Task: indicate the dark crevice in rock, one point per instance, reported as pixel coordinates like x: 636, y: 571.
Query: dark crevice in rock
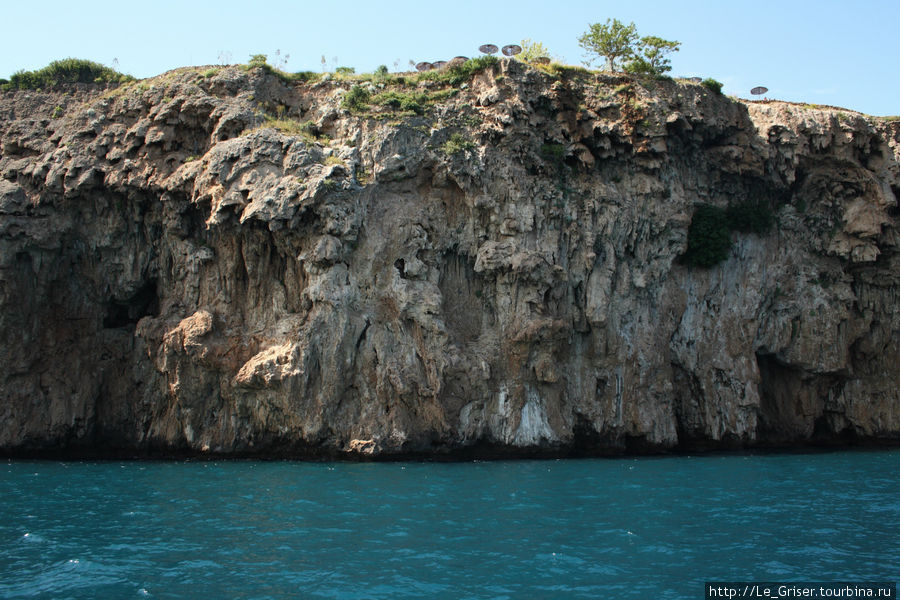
x: 793, y: 402
x: 400, y: 265
x: 688, y: 420
x: 126, y: 313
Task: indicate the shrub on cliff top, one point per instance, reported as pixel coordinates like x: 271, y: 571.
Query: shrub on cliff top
x: 532, y: 50
x: 712, y: 85
x: 258, y: 60
x: 66, y: 71
x: 261, y: 61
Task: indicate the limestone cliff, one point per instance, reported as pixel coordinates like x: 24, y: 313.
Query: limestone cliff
x: 224, y: 261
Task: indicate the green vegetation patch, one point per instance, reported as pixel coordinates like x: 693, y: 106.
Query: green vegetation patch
x: 709, y: 239
x: 709, y: 235
x: 458, y: 73
x: 356, y: 100
x: 456, y: 144
x: 413, y: 102
x: 260, y: 61
x: 564, y: 71
x: 66, y: 71
x: 300, y: 76
x: 303, y: 129
x: 712, y: 85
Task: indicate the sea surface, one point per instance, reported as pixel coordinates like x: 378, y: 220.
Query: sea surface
x: 644, y: 528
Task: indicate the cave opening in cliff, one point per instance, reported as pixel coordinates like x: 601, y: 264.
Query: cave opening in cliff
x: 143, y: 303
x: 780, y: 387
x: 793, y: 403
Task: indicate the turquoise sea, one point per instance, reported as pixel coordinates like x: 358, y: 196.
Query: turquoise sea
x: 589, y: 528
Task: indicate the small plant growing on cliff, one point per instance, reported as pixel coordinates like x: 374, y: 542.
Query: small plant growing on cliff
x: 532, y: 50
x: 456, y: 144
x: 709, y: 240
x: 356, y: 100
x: 306, y: 130
x: 712, y: 85
x: 404, y: 102
x: 304, y: 76
x: 258, y: 60
x: 381, y: 74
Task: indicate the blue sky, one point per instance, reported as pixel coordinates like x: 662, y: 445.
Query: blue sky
x: 824, y: 51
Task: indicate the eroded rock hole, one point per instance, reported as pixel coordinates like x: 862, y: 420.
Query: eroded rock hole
x: 143, y: 303
x: 792, y: 401
x: 400, y: 265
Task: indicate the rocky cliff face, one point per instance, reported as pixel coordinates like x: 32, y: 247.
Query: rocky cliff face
x: 225, y: 262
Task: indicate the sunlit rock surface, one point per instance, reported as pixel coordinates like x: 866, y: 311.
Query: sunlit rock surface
x: 177, y: 275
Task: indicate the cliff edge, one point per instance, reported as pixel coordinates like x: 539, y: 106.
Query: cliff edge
x: 226, y: 261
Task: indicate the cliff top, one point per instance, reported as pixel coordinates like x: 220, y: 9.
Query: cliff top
x: 474, y: 97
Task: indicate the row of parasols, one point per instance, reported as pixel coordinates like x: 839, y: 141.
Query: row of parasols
x: 508, y: 50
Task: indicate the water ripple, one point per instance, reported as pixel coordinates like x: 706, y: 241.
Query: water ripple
x: 627, y: 528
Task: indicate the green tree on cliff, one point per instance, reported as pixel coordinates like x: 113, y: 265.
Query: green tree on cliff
x: 612, y: 40
x: 651, y: 56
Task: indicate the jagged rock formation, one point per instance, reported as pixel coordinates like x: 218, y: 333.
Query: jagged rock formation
x: 225, y: 262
